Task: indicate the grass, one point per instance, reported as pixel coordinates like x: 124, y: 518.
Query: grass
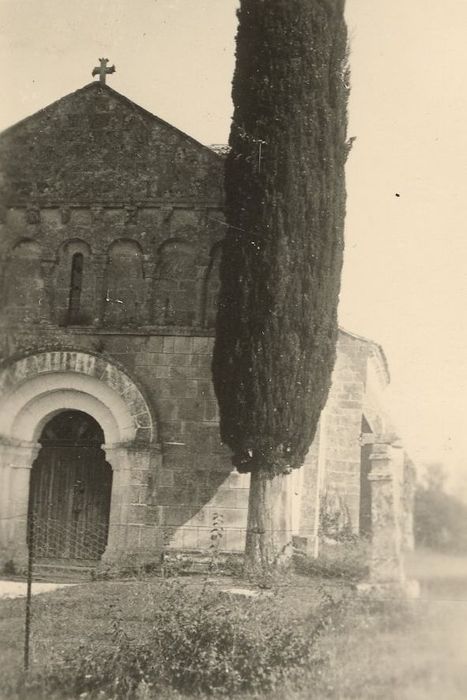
x: 438, y: 572
x: 392, y: 654
x: 389, y: 650
x: 73, y: 621
x: 396, y: 650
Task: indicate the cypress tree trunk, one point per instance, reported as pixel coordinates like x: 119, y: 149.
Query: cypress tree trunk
x: 269, y: 520
x: 280, y: 271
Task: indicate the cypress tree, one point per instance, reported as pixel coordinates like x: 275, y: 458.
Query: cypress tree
x: 280, y: 272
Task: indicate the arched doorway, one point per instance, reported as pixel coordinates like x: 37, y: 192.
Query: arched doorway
x: 36, y: 388
x: 70, y: 489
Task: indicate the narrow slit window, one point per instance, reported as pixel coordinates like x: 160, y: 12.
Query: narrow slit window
x: 76, y: 285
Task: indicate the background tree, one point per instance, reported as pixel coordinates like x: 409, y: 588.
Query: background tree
x: 440, y: 519
x: 280, y: 271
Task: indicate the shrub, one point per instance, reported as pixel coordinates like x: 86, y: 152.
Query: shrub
x: 9, y: 568
x: 197, y: 643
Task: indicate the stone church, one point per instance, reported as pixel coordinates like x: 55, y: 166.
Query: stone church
x: 111, y: 226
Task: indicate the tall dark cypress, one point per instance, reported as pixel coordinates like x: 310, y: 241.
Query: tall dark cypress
x: 285, y: 206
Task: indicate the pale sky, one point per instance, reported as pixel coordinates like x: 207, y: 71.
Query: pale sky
x: 405, y: 273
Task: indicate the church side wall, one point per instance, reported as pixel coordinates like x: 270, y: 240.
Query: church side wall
x: 343, y: 426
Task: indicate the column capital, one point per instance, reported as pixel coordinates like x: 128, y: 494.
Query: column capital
x: 18, y: 453
x: 381, y: 462
x: 117, y: 456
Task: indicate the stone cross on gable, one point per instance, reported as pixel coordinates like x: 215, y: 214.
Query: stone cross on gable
x: 102, y: 70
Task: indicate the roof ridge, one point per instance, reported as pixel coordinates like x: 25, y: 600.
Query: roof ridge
x: 97, y: 85
x: 376, y: 346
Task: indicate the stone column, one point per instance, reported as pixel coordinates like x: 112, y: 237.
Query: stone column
x: 149, y: 270
x: 15, y: 468
x: 385, y: 557
x: 48, y: 307
x: 119, y: 460
x: 386, y: 569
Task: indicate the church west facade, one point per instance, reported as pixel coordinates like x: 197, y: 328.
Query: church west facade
x: 111, y: 226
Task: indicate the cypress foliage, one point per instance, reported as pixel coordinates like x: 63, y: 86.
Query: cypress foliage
x: 285, y: 206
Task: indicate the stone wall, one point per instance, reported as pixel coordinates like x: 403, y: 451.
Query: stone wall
x: 334, y: 462
x: 155, y: 273
x: 96, y: 147
x: 108, y: 217
x: 343, y: 422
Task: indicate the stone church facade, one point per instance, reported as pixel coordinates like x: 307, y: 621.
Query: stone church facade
x: 111, y: 225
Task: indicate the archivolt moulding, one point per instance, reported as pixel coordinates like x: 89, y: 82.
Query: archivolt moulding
x: 37, y: 386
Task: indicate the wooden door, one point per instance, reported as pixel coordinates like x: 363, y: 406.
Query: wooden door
x: 71, y: 487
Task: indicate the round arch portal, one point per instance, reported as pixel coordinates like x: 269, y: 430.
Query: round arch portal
x: 37, y: 388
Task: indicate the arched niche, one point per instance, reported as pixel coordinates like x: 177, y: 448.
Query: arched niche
x: 175, y: 284
x: 75, y: 284
x: 211, y: 287
x: 125, y: 290
x: 24, y: 289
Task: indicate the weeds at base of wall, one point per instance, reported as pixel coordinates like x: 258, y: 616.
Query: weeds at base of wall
x: 9, y: 568
x: 196, y: 643
x: 347, y: 561
x: 125, y: 569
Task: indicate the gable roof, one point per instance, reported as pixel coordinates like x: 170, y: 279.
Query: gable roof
x: 95, y: 144
x: 96, y: 85
x: 376, y: 351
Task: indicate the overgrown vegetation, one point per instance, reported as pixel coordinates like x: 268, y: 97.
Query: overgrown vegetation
x: 335, y: 523
x: 208, y: 644
x: 347, y: 562
x: 342, y: 553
